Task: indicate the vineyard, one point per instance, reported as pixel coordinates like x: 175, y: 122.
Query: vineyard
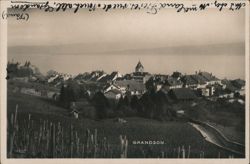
x: 31, y: 136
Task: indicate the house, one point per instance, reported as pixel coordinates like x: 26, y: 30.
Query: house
x: 158, y: 81
x: 113, y: 94
x: 180, y: 113
x: 132, y: 86
x: 160, y: 77
x: 21, y: 79
x: 204, y: 92
x: 173, y: 83
x: 111, y: 86
x: 207, y: 91
x: 109, y: 78
x: 30, y: 91
x: 189, y: 82
x: 201, y: 81
x: 182, y: 94
x: 210, y: 78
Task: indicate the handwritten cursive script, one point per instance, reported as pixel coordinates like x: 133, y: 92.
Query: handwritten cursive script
x: 149, y: 7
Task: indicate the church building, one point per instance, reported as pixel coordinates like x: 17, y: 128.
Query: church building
x: 140, y: 74
x: 139, y: 67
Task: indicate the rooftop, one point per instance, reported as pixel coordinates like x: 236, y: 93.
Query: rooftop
x: 139, y: 65
x: 132, y: 84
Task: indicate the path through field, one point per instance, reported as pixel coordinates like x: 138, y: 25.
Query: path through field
x: 213, y: 136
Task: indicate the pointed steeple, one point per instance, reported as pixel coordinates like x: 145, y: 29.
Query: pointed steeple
x: 139, y: 67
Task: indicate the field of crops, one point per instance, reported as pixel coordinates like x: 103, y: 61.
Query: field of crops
x: 31, y: 136
x: 38, y: 129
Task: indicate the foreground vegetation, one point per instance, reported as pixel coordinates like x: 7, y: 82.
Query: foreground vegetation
x: 35, y: 136
x: 41, y: 122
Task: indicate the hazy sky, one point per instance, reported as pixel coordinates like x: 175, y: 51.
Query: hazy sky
x: 114, y: 41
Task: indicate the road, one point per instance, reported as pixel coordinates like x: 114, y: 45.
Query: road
x: 213, y: 136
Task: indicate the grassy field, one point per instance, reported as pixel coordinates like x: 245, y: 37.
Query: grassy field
x: 175, y: 134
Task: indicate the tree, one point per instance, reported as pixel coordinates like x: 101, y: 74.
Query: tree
x: 73, y: 90
x: 12, y: 69
x: 148, y: 105
x: 126, y: 101
x: 62, y: 94
x: 134, y: 102
x: 83, y: 92
x: 150, y: 84
x: 161, y: 103
x: 69, y: 93
x: 101, y: 104
x: 176, y: 75
x: 152, y: 105
x: 120, y: 103
x: 24, y: 71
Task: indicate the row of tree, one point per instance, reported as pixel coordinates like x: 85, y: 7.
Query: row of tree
x: 151, y: 105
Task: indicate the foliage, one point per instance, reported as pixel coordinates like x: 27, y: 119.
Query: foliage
x: 15, y: 70
x: 150, y: 84
x: 176, y: 74
x: 101, y: 104
x: 72, y: 91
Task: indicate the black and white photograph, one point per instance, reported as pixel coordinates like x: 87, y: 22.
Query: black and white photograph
x: 125, y: 81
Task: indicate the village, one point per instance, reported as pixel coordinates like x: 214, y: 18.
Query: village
x: 123, y: 91
x: 114, y: 86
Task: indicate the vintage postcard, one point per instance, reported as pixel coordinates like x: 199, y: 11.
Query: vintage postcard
x: 124, y: 81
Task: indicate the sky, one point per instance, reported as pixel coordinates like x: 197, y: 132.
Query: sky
x: 210, y: 41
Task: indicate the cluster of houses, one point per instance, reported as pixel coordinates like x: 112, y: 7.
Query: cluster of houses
x: 37, y: 92
x: 115, y: 86
x: 133, y: 84
x: 182, y: 87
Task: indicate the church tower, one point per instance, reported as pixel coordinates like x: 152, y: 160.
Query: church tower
x: 139, y: 67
